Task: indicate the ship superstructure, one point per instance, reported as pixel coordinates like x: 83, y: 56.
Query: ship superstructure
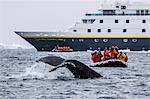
x: 121, y: 24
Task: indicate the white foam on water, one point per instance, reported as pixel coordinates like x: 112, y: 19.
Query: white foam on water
x: 125, y: 50
x: 38, y: 70
x: 41, y: 71
x: 143, y: 52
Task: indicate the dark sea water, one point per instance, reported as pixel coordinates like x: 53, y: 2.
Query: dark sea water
x: 22, y: 78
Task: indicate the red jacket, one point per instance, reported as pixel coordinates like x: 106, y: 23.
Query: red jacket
x: 96, y: 57
x: 126, y: 60
x: 106, y: 55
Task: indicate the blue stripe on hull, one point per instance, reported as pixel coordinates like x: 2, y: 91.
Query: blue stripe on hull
x: 90, y: 43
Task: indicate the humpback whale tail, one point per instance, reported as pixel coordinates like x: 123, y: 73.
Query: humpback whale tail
x: 78, y: 69
x: 51, y: 60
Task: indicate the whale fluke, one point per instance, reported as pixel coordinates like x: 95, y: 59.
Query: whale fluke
x: 51, y: 60
x: 56, y: 68
x: 78, y: 69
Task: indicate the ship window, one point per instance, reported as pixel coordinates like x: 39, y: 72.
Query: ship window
x: 96, y: 40
x: 143, y: 21
x: 123, y: 13
x: 81, y: 40
x: 90, y: 21
x: 108, y: 12
x: 72, y: 40
x: 74, y: 30
x: 117, y: 6
x: 124, y: 30
x: 101, y: 21
x: 125, y: 40
x: 105, y: 40
x: 143, y: 30
x: 109, y: 30
x: 127, y: 21
x: 134, y: 40
x: 84, y: 21
x: 116, y: 21
x: 98, y: 30
x: 89, y: 30
x: 142, y: 12
x: 123, y: 7
x: 64, y: 40
x: 146, y: 12
x: 90, y: 48
x: 99, y: 48
x: 137, y: 12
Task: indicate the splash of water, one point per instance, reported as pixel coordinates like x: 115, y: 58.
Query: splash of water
x: 41, y: 71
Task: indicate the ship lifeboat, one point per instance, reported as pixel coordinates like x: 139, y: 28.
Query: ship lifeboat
x: 62, y: 49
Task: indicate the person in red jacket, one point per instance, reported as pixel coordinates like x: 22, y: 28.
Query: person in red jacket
x: 96, y: 57
x: 100, y: 55
x: 106, y: 55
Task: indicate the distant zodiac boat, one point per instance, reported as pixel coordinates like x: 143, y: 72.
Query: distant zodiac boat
x: 122, y: 24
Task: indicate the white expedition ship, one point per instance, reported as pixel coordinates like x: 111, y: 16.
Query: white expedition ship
x: 122, y: 24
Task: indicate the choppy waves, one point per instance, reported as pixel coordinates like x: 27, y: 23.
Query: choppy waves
x: 22, y: 78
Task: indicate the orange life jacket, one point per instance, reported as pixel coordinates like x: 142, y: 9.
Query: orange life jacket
x: 113, y: 54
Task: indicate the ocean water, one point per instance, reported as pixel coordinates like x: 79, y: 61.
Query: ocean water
x: 23, y: 78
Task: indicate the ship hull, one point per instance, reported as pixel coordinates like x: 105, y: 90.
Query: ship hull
x: 84, y: 44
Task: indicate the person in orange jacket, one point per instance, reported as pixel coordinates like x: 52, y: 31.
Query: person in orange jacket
x: 106, y: 55
x: 114, y: 52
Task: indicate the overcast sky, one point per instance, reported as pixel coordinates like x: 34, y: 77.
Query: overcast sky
x: 41, y: 15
